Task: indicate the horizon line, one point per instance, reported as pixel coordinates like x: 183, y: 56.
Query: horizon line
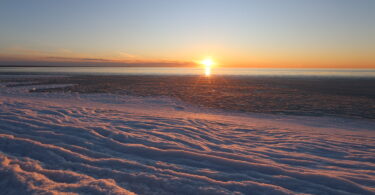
x: 138, y: 66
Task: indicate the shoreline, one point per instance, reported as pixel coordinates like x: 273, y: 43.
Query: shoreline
x: 352, y: 98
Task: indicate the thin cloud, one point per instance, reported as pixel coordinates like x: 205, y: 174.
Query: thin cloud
x: 23, y: 56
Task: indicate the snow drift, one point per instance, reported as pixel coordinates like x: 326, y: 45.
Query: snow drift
x: 104, y: 144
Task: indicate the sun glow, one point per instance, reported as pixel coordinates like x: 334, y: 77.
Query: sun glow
x: 207, y: 63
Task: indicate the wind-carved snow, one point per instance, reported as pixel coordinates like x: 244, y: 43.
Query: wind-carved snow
x: 67, y: 144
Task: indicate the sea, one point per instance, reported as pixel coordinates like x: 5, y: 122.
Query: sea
x: 276, y: 72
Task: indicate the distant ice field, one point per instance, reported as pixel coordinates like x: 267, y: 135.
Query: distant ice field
x: 309, y: 96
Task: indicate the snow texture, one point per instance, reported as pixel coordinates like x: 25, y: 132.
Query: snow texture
x: 107, y: 144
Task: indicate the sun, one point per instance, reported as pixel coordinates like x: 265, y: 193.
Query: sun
x: 207, y: 63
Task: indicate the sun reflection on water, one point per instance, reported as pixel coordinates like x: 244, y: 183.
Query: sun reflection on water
x: 207, y: 71
x: 207, y: 63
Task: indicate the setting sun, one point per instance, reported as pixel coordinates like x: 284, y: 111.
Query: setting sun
x: 207, y: 63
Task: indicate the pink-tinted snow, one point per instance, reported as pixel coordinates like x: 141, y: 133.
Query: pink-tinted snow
x: 106, y: 144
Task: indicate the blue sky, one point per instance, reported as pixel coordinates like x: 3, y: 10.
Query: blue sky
x: 235, y: 32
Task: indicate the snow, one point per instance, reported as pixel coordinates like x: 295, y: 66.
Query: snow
x: 108, y: 144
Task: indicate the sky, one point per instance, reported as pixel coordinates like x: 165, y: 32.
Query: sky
x: 234, y: 33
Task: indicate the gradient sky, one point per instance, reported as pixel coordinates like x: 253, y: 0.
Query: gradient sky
x: 235, y: 33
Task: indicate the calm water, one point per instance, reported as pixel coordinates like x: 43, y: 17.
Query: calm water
x: 193, y: 71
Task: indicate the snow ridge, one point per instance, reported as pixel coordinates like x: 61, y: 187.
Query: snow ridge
x: 66, y: 146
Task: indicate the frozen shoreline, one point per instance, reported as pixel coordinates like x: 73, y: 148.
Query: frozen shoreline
x: 104, y: 143
x: 333, y: 97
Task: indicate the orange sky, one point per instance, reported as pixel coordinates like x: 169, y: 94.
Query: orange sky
x: 225, y: 59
